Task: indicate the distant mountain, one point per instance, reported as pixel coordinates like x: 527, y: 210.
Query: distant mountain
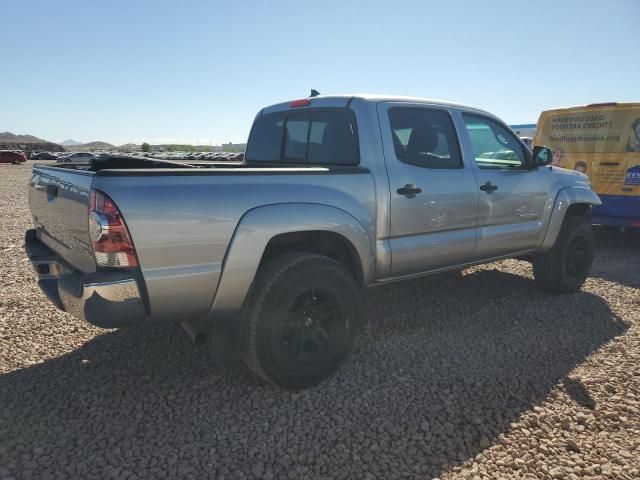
x: 70, y: 143
x: 129, y: 146
x: 8, y: 137
x: 28, y: 143
x: 98, y: 146
x: 83, y: 147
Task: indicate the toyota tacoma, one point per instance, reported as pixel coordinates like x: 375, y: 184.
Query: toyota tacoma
x: 268, y: 257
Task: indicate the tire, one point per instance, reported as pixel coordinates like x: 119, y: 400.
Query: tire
x: 565, y: 267
x: 301, y: 320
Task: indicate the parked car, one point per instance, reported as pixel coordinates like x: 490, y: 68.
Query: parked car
x: 77, y: 157
x: 11, y: 156
x: 268, y: 258
x: 44, y: 156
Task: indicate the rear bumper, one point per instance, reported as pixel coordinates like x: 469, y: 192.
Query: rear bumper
x: 105, y: 299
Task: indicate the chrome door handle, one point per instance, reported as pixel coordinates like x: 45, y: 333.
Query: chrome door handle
x: 409, y: 190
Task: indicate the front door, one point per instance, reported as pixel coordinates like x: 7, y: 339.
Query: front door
x: 434, y: 195
x: 512, y: 197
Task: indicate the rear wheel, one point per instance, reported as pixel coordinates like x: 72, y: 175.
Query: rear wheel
x: 565, y: 267
x: 301, y: 320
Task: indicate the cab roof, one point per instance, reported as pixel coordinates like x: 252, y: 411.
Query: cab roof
x: 344, y: 99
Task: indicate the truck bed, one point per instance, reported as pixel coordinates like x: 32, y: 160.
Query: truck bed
x: 181, y: 217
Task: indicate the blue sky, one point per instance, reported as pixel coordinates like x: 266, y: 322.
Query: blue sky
x: 192, y: 71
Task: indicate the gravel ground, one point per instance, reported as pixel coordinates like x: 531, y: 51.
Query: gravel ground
x: 473, y: 376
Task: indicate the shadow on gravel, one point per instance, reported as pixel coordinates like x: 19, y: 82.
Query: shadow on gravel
x: 443, y: 366
x: 579, y: 393
x: 618, y: 256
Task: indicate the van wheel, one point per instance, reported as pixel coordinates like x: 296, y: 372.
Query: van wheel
x: 301, y: 320
x: 565, y: 267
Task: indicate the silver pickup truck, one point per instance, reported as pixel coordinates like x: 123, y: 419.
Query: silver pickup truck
x: 268, y: 257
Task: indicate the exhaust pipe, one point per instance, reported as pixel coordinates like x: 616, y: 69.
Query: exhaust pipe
x: 197, y: 336
x: 222, y: 337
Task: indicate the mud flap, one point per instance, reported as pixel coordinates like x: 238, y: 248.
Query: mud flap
x: 224, y: 343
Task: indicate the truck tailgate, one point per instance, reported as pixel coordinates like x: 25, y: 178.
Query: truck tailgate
x: 59, y: 201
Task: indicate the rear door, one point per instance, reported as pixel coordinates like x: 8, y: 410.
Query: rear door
x: 59, y: 201
x: 512, y: 197
x: 434, y: 195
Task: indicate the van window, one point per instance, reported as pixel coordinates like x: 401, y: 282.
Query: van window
x: 425, y: 138
x: 315, y: 137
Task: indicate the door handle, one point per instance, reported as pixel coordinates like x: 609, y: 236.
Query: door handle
x: 488, y: 187
x: 409, y: 190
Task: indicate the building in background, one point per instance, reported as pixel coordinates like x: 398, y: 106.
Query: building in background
x: 524, y: 129
x: 233, y: 147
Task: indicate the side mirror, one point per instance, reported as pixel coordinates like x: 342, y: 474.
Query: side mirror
x: 542, y: 156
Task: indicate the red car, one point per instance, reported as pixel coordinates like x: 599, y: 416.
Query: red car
x: 9, y: 156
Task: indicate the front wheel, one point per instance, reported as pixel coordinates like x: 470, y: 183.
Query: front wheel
x: 565, y: 267
x: 301, y: 320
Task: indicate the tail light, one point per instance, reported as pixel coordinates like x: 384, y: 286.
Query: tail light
x: 110, y: 239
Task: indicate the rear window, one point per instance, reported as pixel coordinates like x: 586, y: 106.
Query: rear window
x: 321, y: 136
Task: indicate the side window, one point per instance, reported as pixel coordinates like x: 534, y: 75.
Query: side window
x: 425, y: 138
x: 493, y: 145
